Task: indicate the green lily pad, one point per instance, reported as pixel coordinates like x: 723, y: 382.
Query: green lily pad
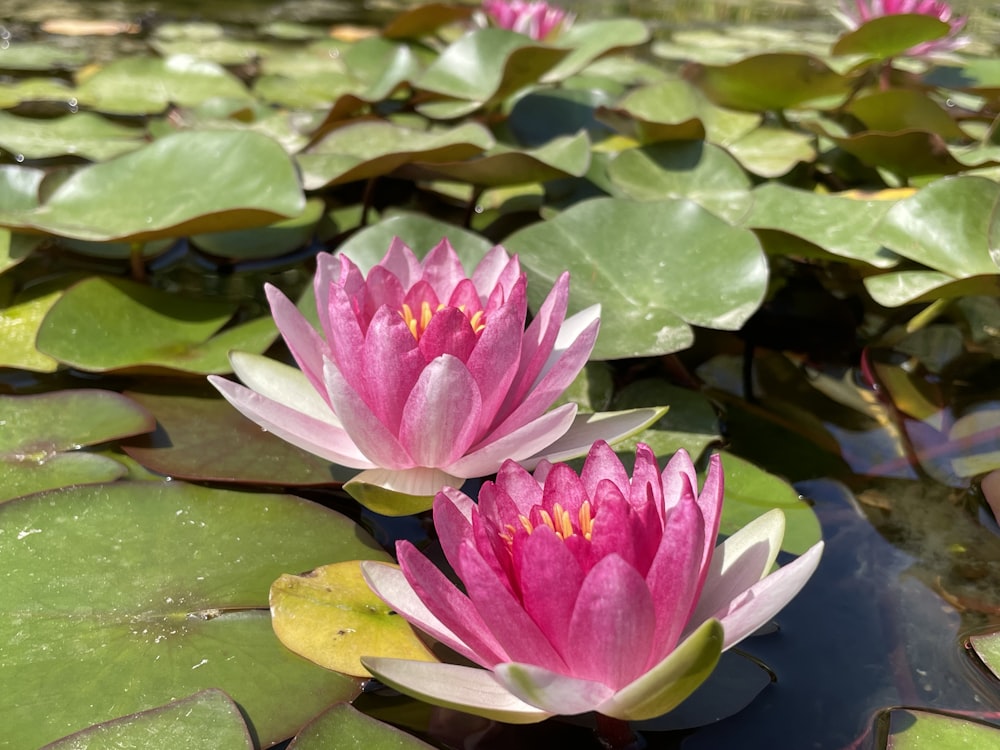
x: 945, y: 226
x: 773, y: 152
x: 840, y: 227
x: 201, y: 437
x: 695, y: 170
x: 590, y: 40
x: 628, y: 257
x: 19, y: 187
x: 903, y: 287
x: 209, y: 717
x: 987, y: 648
x: 345, y: 728
x: 264, y: 242
x: 369, y: 149
x: 382, y: 65
x: 35, y: 90
x: 41, y: 56
x: 593, y: 388
x: 542, y: 115
x: 185, y: 183
x: 907, y: 153
x: 484, y: 67
x: 36, y: 455
x: 425, y: 19
x: 890, y: 35
x: 904, y: 109
x: 114, y: 324
x: 912, y: 729
x: 330, y: 617
x: 563, y: 157
x: 676, y: 110
x: 313, y: 90
x: 691, y: 422
x: 20, y: 318
x: 751, y: 492
x: 161, y: 590
x: 14, y: 248
x: 148, y: 85
x: 775, y: 81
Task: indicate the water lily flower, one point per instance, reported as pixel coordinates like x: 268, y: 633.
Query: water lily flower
x: 591, y: 592
x: 856, y: 12
x: 536, y: 19
x: 424, y: 376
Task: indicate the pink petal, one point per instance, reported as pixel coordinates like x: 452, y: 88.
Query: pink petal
x: 441, y: 415
x: 308, y: 433
x: 602, y: 463
x: 503, y: 615
x: 614, y: 616
x: 383, y: 289
x: 672, y: 578
x: 442, y: 269
x: 710, y: 502
x: 563, y: 486
x: 452, y: 608
x: 613, y: 532
x: 393, y: 363
x: 372, y: 437
x: 402, y: 263
x: 449, y: 332
x: 346, y: 339
x: 646, y: 479
x: 494, y: 361
x: 465, y: 297
x: 520, y: 486
x: 452, y: 521
x: 550, y: 582
x: 586, y: 428
x: 486, y: 457
x: 305, y: 344
x: 496, y: 270
x: 678, y: 480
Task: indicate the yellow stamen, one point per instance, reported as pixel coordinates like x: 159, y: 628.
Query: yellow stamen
x: 586, y: 521
x: 559, y: 520
x: 418, y: 323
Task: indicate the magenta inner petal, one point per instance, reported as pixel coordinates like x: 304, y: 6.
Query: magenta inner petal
x: 393, y: 363
x: 550, y: 582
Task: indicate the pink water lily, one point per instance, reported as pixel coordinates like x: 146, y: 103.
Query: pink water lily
x: 424, y: 376
x: 591, y: 592
x: 536, y: 19
x: 856, y: 12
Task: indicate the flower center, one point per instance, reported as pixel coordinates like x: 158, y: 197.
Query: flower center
x: 559, y: 520
x: 418, y: 322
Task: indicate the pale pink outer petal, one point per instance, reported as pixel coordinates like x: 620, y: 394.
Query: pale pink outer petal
x: 550, y: 691
x: 763, y: 600
x: 327, y: 272
x: 421, y: 481
x: 739, y: 562
x: 441, y: 415
x: 496, y: 268
x: 453, y: 521
x: 614, y: 616
x: 308, y: 433
x: 393, y: 363
x: 346, y: 340
x: 533, y: 437
x: 303, y: 341
x: 586, y: 428
x: 372, y: 437
x: 282, y: 383
x: 474, y: 691
x: 401, y: 261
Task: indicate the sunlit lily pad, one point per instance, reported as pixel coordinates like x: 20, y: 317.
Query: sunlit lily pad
x: 425, y: 19
x: 201, y: 437
x: 263, y: 242
x: 772, y: 152
x: 903, y: 109
x: 180, y: 184
x: 589, y: 40
x: 629, y: 257
x: 768, y: 82
x: 331, y: 617
x: 890, y: 35
x: 207, y: 717
x: 987, y: 648
x: 695, y: 170
x: 751, y: 492
x: 946, y: 227
x: 42, y: 431
x: 22, y: 55
x: 161, y: 589
x: 484, y: 67
x: 912, y: 729
x: 372, y: 148
x: 147, y: 85
x: 82, y: 134
x: 563, y: 157
x: 836, y: 225
x: 115, y: 324
x: 35, y: 90
x: 345, y: 728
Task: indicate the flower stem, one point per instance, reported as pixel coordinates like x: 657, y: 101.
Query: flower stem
x: 615, y: 734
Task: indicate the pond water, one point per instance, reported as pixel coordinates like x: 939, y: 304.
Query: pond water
x: 912, y: 562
